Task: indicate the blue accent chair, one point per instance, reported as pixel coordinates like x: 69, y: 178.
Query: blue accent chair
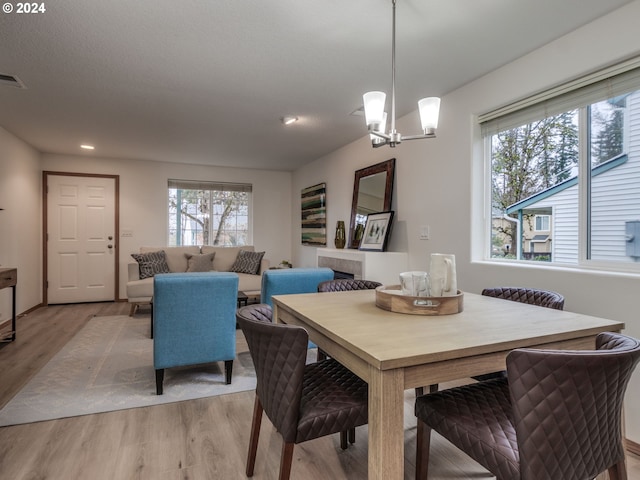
x: 194, y: 321
x: 292, y: 280
x: 285, y: 281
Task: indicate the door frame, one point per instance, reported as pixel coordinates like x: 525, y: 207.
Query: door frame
x: 45, y: 226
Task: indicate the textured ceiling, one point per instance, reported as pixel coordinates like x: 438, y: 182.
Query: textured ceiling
x: 207, y: 82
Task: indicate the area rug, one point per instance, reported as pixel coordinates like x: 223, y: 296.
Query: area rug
x: 108, y: 365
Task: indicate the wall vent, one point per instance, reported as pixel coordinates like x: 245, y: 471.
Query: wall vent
x: 11, y: 81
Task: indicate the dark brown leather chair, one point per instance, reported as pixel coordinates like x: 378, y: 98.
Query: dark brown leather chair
x: 302, y: 401
x: 345, y: 284
x: 543, y: 298
x: 558, y: 416
x: 532, y: 296
x: 261, y: 312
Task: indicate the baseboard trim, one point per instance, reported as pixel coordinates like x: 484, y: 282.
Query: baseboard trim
x: 632, y: 446
x: 7, y: 322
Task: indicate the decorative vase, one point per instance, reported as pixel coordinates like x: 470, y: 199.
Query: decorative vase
x: 340, y: 239
x: 359, y: 232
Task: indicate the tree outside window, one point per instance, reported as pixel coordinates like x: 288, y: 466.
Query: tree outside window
x: 534, y: 176
x: 202, y: 213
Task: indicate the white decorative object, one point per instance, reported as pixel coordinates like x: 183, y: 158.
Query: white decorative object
x: 443, y: 275
x: 415, y: 284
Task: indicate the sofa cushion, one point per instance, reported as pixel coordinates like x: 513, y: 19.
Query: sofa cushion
x: 247, y: 262
x: 151, y: 263
x: 175, y: 256
x: 225, y: 256
x: 140, y: 290
x: 199, y: 262
x: 249, y: 283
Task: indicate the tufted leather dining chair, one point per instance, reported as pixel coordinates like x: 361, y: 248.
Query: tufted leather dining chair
x: 532, y: 296
x: 261, y: 312
x: 302, y: 401
x: 345, y: 284
x: 557, y: 416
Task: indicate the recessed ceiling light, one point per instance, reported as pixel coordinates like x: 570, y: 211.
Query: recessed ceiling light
x: 87, y: 147
x: 288, y: 120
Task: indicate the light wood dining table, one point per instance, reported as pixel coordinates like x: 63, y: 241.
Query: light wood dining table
x: 393, y: 352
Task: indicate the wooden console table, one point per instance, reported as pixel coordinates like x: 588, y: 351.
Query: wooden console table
x: 9, y: 278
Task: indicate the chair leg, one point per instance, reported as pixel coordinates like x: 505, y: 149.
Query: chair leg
x: 423, y: 443
x: 618, y: 471
x: 285, y: 461
x: 228, y: 369
x: 159, y: 380
x: 349, y: 435
x: 321, y: 355
x: 132, y: 309
x: 255, y: 435
x: 432, y: 389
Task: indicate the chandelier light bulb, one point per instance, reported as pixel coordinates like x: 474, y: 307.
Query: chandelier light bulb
x: 374, y: 108
x: 381, y: 128
x: 429, y: 112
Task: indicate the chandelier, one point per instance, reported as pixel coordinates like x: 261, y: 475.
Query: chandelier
x: 376, y: 117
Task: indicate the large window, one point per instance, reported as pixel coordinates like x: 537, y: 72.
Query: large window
x: 565, y: 172
x: 208, y: 213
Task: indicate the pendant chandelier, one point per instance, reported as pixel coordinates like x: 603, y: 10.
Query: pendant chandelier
x: 376, y: 117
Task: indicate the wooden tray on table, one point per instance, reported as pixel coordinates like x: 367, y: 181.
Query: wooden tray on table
x: 389, y: 297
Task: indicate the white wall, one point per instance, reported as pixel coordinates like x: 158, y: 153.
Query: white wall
x: 20, y: 225
x: 439, y: 182
x: 143, y: 201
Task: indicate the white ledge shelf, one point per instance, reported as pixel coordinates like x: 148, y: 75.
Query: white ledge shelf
x: 383, y: 267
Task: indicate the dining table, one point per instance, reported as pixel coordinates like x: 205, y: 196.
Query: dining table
x: 394, y: 352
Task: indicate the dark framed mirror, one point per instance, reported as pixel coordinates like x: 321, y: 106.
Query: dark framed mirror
x: 372, y: 191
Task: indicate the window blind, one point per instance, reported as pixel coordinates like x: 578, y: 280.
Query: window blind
x: 200, y: 185
x: 607, y: 83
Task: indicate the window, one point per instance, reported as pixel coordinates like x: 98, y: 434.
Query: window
x: 567, y: 163
x: 209, y: 213
x: 542, y: 223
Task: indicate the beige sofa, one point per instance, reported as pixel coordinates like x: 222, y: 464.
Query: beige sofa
x: 141, y: 291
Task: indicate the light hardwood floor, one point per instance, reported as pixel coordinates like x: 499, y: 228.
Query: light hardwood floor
x: 196, y: 439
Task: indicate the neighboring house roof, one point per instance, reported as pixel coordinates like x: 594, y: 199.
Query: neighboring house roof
x: 597, y: 170
x: 539, y: 238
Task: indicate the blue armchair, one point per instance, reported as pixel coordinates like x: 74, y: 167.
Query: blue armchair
x: 292, y: 280
x: 194, y: 321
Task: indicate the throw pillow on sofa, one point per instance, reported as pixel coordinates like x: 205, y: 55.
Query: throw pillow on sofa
x: 151, y: 263
x: 200, y: 262
x: 247, y: 262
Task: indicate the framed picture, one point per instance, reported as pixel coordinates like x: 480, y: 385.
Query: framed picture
x: 314, y: 215
x: 376, y: 231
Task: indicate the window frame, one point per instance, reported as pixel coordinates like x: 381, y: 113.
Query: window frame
x: 211, y: 186
x: 573, y: 91
x: 542, y: 216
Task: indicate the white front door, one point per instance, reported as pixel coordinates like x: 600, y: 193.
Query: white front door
x: 81, y: 237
